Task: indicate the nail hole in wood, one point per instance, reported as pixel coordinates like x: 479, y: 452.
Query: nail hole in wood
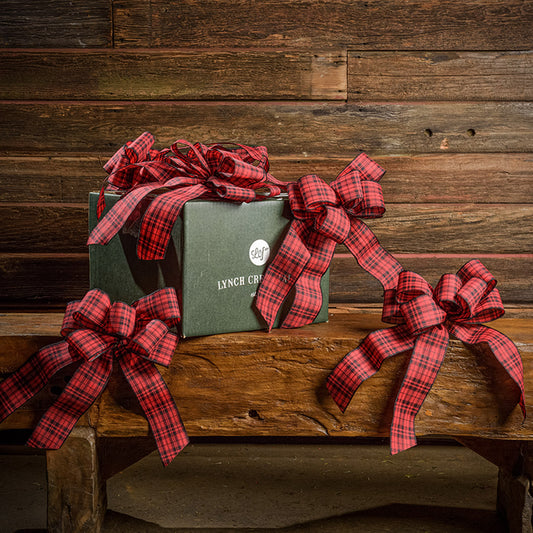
x: 428, y: 132
x: 471, y: 132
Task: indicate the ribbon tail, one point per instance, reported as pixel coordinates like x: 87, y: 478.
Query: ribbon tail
x: 32, y: 376
x: 363, y: 362
x: 503, y: 349
x: 426, y: 359
x: 119, y: 214
x: 308, y: 297
x: 282, y: 273
x: 159, y: 219
x: 371, y: 256
x: 82, y: 390
x: 157, y: 404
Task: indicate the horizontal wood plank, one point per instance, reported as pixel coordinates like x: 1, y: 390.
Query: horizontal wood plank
x: 442, y: 75
x: 378, y: 25
x: 405, y: 228
x: 432, y: 178
x: 36, y: 179
x: 261, y: 383
x: 172, y: 75
x: 349, y: 283
x: 52, y: 280
x: 286, y: 128
x: 42, y: 280
x: 439, y: 178
x: 45, y: 228
x: 55, y: 23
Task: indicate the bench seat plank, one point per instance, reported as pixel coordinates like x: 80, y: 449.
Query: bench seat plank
x: 258, y: 383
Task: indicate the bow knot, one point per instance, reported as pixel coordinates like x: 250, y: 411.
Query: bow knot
x: 425, y: 318
x: 183, y: 172
x: 314, y: 201
x: 233, y: 174
x: 95, y: 326
x: 324, y: 215
x: 468, y: 297
x: 99, y: 334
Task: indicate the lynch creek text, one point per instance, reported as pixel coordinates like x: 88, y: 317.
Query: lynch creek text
x: 239, y: 281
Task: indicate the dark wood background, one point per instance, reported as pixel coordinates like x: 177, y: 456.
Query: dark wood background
x: 438, y: 92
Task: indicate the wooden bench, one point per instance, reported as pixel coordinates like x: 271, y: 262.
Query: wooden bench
x: 273, y: 384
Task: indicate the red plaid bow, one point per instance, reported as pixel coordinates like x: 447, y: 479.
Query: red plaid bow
x: 325, y: 215
x: 237, y: 174
x: 99, y: 333
x: 426, y: 318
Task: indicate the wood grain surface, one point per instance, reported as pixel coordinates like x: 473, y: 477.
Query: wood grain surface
x: 406, y: 228
x: 51, y: 23
x: 67, y: 277
x: 172, y: 75
x: 384, y: 24
x: 438, y: 93
x: 285, y: 128
x: 424, y: 178
x: 261, y: 383
x: 441, y: 75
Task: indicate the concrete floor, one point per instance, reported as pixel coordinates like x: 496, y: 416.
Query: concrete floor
x: 278, y: 487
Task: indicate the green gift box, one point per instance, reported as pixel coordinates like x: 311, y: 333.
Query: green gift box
x: 216, y: 258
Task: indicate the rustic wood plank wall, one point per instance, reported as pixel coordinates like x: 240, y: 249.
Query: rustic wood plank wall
x: 438, y: 92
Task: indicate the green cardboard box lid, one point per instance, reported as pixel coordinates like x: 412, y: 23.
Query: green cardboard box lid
x: 216, y: 258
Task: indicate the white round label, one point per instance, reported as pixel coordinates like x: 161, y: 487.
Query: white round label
x: 259, y: 252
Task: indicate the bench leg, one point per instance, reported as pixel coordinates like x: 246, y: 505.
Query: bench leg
x: 76, y: 490
x: 514, y: 460
x: 515, y: 501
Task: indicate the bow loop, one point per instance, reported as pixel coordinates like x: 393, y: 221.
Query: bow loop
x: 470, y: 296
x: 159, y: 305
x: 410, y: 286
x: 490, y: 308
x: 476, y: 269
x: 237, y: 171
x: 366, y: 168
x: 132, y: 152
x: 446, y: 292
x: 90, y: 312
x: 373, y: 204
x: 230, y: 192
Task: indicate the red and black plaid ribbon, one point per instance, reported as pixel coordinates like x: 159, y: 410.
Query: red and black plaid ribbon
x: 99, y: 334
x: 426, y: 317
x: 325, y: 215
x: 183, y: 172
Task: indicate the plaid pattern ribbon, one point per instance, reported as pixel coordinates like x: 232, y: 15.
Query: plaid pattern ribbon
x: 98, y: 334
x: 425, y: 319
x: 183, y: 172
x: 325, y: 215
